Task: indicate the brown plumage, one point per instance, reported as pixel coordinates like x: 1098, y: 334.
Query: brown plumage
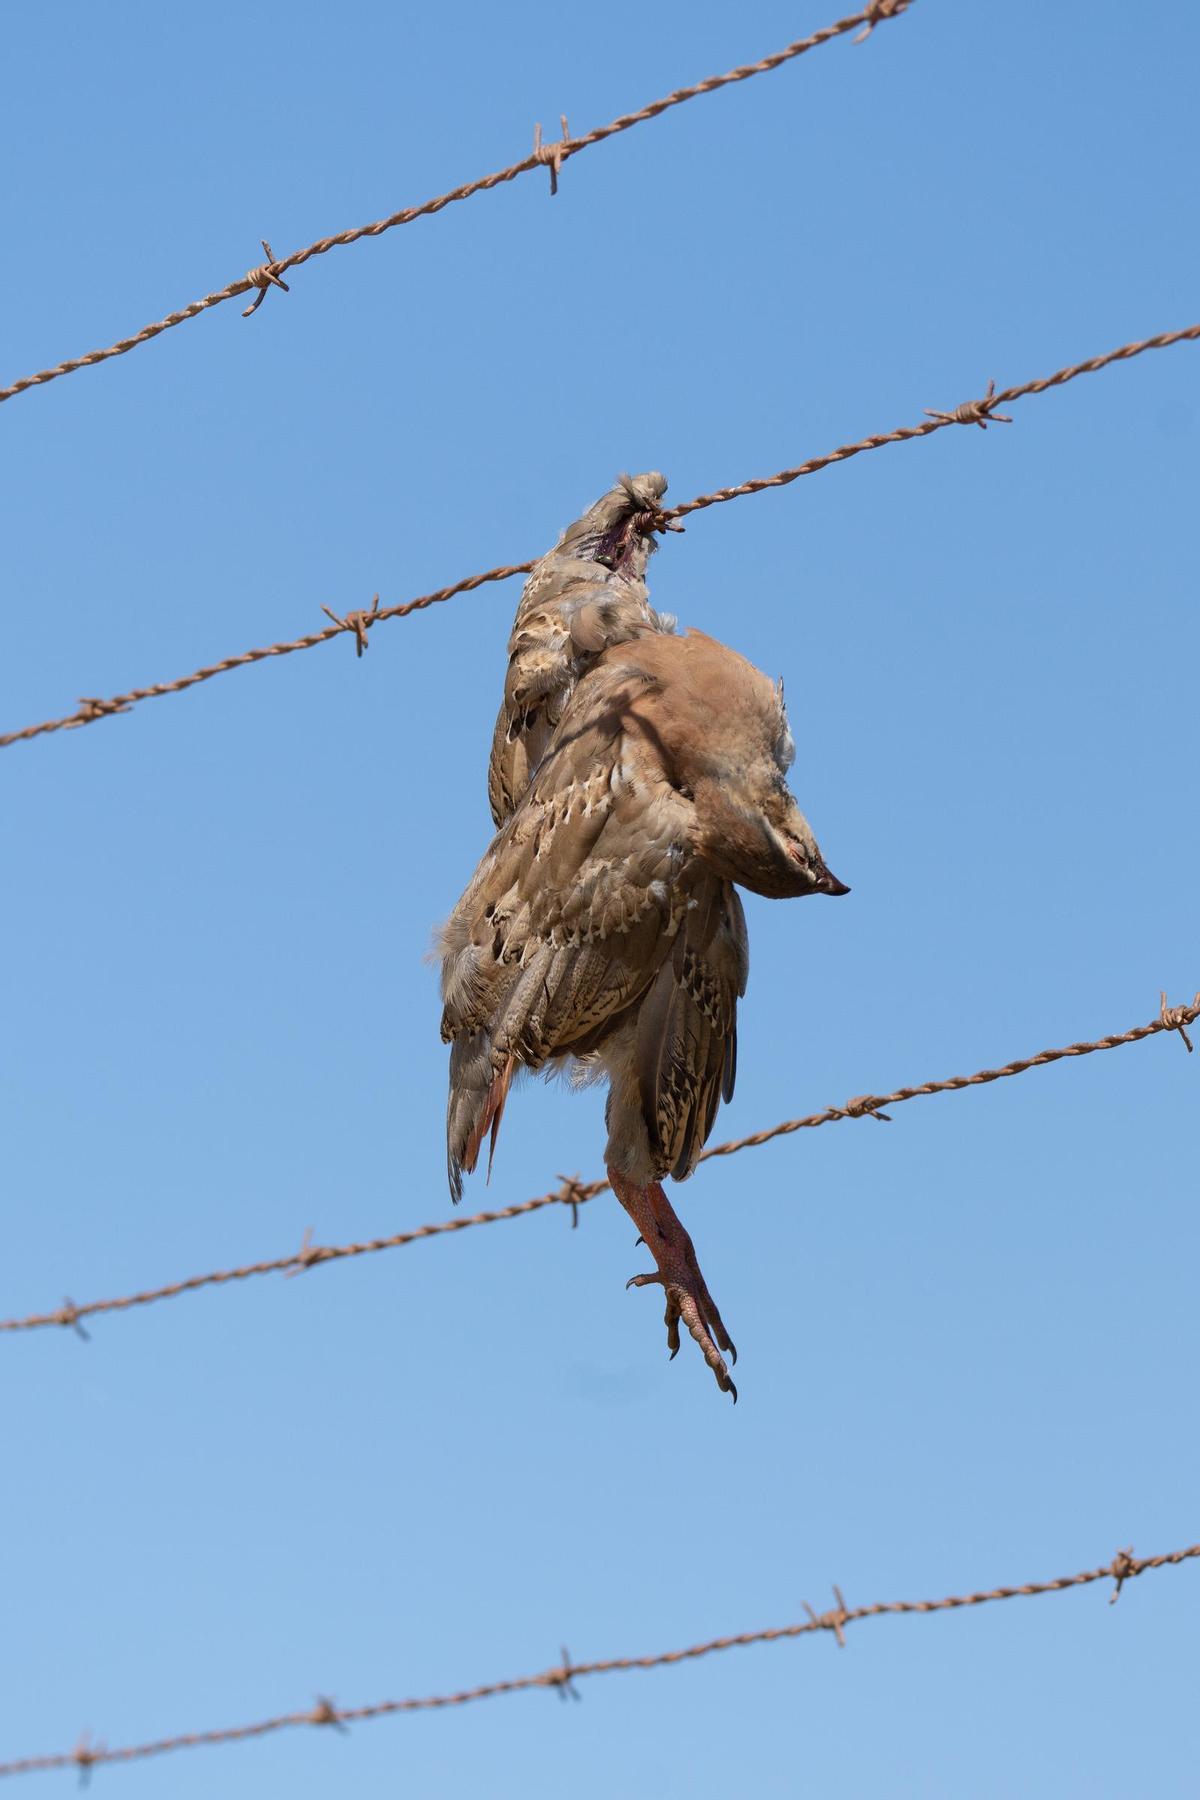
x: 585, y: 594
x: 602, y: 924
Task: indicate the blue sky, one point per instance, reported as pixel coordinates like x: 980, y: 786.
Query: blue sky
x: 967, y: 1339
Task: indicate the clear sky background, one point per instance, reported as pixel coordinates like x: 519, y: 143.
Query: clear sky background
x: 969, y: 1338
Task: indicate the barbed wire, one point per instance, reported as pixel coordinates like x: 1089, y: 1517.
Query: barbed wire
x: 574, y: 1193
x: 550, y: 156
x: 1125, y: 1566
x: 359, y: 622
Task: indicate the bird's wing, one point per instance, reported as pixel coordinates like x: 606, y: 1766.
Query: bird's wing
x: 571, y: 912
x: 686, y: 1045
x: 560, y: 926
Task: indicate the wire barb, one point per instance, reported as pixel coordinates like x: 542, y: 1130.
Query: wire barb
x: 877, y: 12
x: 572, y: 1192
x: 834, y: 1620
x: 85, y: 1756
x: 93, y: 709
x: 567, y: 1673
x: 973, y: 412
x: 265, y: 276
x: 866, y: 1106
x: 359, y: 622
x: 96, y: 709
x: 1176, y: 1018
x: 1124, y: 1568
x: 308, y: 1254
x: 654, y: 519
x: 325, y: 1712
x: 561, y: 1678
x: 268, y: 274
x: 68, y: 1315
x: 553, y: 156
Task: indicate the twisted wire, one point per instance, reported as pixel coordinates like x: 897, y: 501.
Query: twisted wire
x: 268, y: 274
x: 971, y: 412
x: 574, y: 1193
x: 86, y: 1756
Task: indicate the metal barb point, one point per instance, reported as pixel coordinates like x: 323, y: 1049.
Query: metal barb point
x: 834, y: 1620
x: 561, y: 1678
x: 325, y: 1712
x: 1123, y: 1569
x: 85, y: 1755
x: 877, y: 13
x: 68, y: 1314
x: 866, y: 1106
x: 1176, y: 1018
x: 99, y: 709
x: 653, y: 520
x: 552, y: 155
x: 571, y: 1194
x: 263, y: 277
x: 359, y: 622
x: 308, y: 1254
x: 973, y: 412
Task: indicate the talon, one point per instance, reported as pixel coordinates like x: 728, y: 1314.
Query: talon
x: 678, y: 1273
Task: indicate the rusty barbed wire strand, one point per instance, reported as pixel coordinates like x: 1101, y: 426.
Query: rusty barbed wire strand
x: 971, y: 412
x: 269, y: 274
x: 574, y: 1193
x: 325, y: 1712
x: 358, y: 623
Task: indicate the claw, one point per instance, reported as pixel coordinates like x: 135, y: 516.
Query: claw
x: 688, y: 1300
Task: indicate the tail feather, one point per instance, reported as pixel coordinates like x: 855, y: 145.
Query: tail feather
x: 478, y: 1092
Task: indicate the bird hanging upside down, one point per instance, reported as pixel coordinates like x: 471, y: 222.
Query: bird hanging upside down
x: 636, y: 776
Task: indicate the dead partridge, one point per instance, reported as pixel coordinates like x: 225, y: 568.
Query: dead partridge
x: 602, y: 929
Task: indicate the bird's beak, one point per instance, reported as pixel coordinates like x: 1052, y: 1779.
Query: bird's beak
x: 828, y: 883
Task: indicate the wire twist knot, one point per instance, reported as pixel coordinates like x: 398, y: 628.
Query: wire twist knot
x: 572, y: 1193
x: 1175, y: 1018
x: 552, y: 156
x: 324, y: 1712
x: 653, y: 520
x: 834, y: 1620
x: 263, y: 277
x: 308, y: 1253
x: 973, y: 412
x: 99, y: 709
x: 68, y: 1314
x: 877, y: 12
x: 866, y: 1106
x: 359, y: 622
x: 561, y: 1678
x: 1124, y: 1567
x: 85, y: 1755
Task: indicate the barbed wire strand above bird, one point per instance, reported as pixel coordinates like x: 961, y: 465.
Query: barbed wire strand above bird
x: 358, y: 623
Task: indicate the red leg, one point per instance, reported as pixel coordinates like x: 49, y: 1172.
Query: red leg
x: 678, y: 1274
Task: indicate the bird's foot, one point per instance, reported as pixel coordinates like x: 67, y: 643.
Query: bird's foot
x: 678, y: 1274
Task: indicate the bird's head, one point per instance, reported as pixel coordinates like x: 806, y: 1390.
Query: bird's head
x: 750, y: 830
x: 617, y: 531
x: 725, y: 747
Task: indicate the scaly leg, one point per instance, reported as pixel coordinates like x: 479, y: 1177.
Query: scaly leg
x: 678, y: 1274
